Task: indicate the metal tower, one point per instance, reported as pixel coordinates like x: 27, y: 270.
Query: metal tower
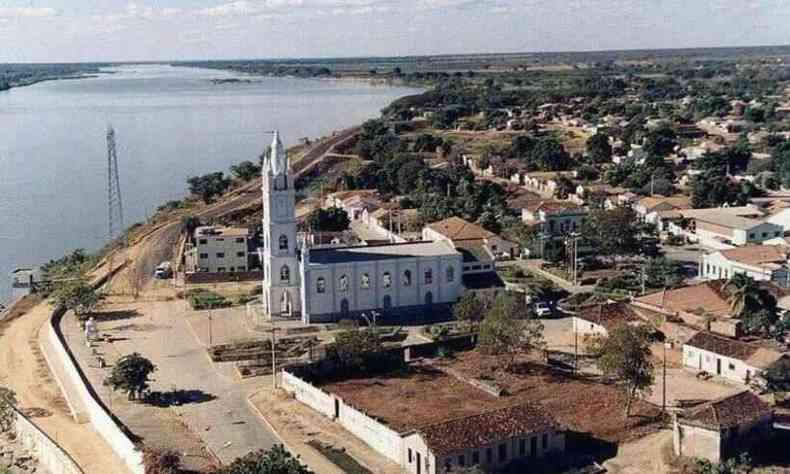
x: 114, y: 202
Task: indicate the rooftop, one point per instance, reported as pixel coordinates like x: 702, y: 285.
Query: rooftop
x: 752, y: 354
x: 455, y: 228
x: 222, y: 231
x: 487, y: 428
x: 704, y: 297
x: 673, y: 202
x: 728, y: 412
x: 743, y: 218
x: 608, y: 314
x: 381, y: 252
x: 555, y: 207
x: 757, y: 254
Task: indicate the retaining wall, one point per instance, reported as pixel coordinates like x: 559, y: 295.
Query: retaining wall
x: 49, y: 454
x: 74, y: 384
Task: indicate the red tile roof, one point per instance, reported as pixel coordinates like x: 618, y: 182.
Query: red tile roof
x: 608, y: 314
x: 455, y: 228
x: 754, y: 355
x: 728, y: 412
x: 487, y: 428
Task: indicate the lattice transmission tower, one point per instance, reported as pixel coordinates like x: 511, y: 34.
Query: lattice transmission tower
x: 114, y: 201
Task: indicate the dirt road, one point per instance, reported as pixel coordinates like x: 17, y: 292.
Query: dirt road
x: 24, y: 370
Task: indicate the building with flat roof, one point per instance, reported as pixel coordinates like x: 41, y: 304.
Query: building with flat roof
x: 219, y: 250
x: 733, y: 226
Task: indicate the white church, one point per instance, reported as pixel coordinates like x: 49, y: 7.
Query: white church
x: 329, y: 284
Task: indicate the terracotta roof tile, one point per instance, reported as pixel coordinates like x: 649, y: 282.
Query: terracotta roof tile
x: 734, y: 410
x: 487, y: 428
x: 608, y: 314
x: 703, y: 297
x: 756, y: 254
x: 723, y: 346
x: 455, y: 228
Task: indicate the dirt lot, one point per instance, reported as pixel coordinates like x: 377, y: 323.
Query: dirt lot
x: 426, y: 395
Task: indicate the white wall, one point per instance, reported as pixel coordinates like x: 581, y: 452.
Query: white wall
x: 584, y: 327
x: 73, y: 385
x: 51, y: 457
x: 311, y: 396
x: 731, y: 369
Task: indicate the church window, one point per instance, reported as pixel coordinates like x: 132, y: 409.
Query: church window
x: 386, y: 280
x: 320, y: 285
x: 280, y: 183
x: 285, y: 274
x: 365, y: 281
x: 428, y: 276
x: 283, y: 242
x: 407, y: 278
x: 450, y: 274
x: 342, y: 284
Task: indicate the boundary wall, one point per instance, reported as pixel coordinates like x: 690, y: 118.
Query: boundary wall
x: 49, y: 454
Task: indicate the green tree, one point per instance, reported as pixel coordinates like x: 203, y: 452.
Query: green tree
x: 189, y: 224
x: 509, y: 330
x: 660, y: 142
x: 612, y: 231
x: 469, y: 308
x: 245, y: 171
x: 77, y: 296
x: 747, y: 296
x: 359, y: 351
x: 208, y: 186
x: 7, y: 403
x: 130, y: 374
x: 713, y: 188
x: 599, y: 149
x: 333, y: 219
x: 625, y: 356
x: 277, y: 460
x: 664, y: 273
x: 524, y: 235
x: 777, y: 377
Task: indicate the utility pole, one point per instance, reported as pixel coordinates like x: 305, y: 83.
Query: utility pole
x: 664, y: 395
x: 114, y: 201
x: 274, y: 358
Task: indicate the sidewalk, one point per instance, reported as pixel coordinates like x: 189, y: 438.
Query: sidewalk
x: 296, y: 425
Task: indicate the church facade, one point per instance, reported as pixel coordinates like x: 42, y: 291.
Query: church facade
x: 322, y: 285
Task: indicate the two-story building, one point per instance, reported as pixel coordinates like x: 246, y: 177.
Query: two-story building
x: 555, y: 218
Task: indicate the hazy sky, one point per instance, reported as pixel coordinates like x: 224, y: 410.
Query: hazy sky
x: 105, y: 30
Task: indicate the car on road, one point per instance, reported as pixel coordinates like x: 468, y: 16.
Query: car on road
x: 164, y: 271
x: 542, y: 309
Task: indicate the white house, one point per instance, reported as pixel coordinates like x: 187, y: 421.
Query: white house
x: 728, y: 358
x: 555, y: 217
x: 218, y: 250
x: 598, y: 319
x: 731, y: 226
x: 761, y: 262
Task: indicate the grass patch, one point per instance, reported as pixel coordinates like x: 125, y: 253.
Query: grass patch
x: 339, y: 458
x: 200, y: 298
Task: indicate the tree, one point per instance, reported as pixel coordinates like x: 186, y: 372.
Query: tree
x: 130, y: 374
x: 509, y: 330
x: 7, y: 403
x: 746, y: 295
x: 277, y: 460
x: 77, y: 296
x: 208, y: 186
x: 625, y: 355
x: 660, y: 142
x: 664, y: 273
x: 469, y: 308
x: 777, y: 377
x: 333, y: 219
x: 189, y: 224
x: 161, y: 461
x: 599, y: 149
x: 359, y: 351
x: 522, y: 234
x: 612, y: 231
x: 245, y: 171
x: 713, y: 188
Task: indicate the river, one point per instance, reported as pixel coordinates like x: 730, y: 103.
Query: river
x: 170, y: 123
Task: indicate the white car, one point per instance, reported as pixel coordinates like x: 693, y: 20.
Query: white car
x: 542, y: 309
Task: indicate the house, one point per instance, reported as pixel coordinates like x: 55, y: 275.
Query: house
x: 659, y: 210
x: 598, y: 319
x: 432, y: 439
x: 727, y: 358
x: 586, y: 193
x: 730, y: 226
x: 399, y: 225
x: 555, y: 217
x: 219, y: 250
x: 355, y: 202
x: 460, y: 232
x: 677, y: 311
x: 546, y: 183
x: 760, y: 262
x: 721, y: 428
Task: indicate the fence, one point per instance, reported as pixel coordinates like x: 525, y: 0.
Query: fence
x: 49, y: 454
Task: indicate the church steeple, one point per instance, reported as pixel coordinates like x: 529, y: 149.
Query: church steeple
x: 278, y: 159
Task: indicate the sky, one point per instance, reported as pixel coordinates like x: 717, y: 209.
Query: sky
x: 123, y: 30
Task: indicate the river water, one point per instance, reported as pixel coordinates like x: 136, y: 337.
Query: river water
x: 170, y: 123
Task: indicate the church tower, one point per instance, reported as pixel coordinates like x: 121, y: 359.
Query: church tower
x: 281, y: 295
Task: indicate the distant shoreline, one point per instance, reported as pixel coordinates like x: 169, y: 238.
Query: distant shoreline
x: 32, y: 82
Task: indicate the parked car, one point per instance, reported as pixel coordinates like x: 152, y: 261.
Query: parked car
x: 164, y: 271
x: 542, y: 309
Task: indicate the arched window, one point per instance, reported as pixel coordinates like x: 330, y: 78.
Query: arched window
x: 285, y: 274
x: 450, y: 274
x: 407, y: 278
x: 280, y: 183
x: 428, y: 276
x: 320, y: 285
x: 342, y: 284
x: 386, y: 280
x: 365, y: 281
x: 283, y: 242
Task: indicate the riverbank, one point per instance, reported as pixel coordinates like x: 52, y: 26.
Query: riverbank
x: 31, y: 82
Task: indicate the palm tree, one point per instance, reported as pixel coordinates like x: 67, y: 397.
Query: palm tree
x: 744, y: 294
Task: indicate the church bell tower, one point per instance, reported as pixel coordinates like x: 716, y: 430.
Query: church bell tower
x: 281, y: 284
